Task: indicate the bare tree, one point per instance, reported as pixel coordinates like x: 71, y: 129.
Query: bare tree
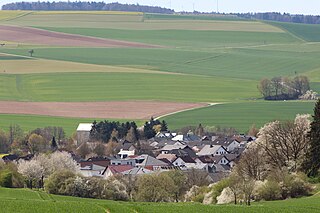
x: 37, y: 144
x: 83, y: 150
x: 252, y: 163
x: 196, y: 177
x: 265, y: 87
x: 99, y: 149
x: 235, y: 186
x: 301, y: 84
x: 277, y: 85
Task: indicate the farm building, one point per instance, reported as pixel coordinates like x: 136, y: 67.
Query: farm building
x: 83, y: 133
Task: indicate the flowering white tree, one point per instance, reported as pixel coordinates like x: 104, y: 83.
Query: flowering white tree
x: 285, y: 143
x: 31, y: 170
x: 62, y: 161
x: 42, y: 166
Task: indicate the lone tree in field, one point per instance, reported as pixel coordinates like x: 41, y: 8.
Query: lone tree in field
x: 312, y: 162
x: 31, y: 52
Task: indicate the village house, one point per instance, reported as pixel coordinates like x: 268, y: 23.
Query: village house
x: 93, y: 166
x: 212, y: 150
x: 113, y: 170
x: 179, y: 150
x: 184, y: 162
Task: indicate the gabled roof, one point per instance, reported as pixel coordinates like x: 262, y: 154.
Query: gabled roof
x: 84, y: 127
x: 209, y: 150
x: 116, y: 169
x: 188, y: 137
x: 222, y: 168
x: 173, y: 147
x: 137, y: 171
x: 151, y: 161
x: 165, y: 160
x: 170, y: 157
x: 103, y: 163
x: 232, y: 157
x: 217, y: 158
x: 224, y: 141
x: 187, y: 159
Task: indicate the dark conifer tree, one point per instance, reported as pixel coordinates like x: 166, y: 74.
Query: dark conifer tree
x: 312, y: 162
x: 54, y: 145
x: 164, y: 126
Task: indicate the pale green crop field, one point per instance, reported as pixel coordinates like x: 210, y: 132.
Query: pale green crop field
x: 24, y: 200
x: 201, y: 59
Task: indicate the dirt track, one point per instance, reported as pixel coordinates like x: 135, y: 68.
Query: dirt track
x: 29, y: 35
x: 114, y: 109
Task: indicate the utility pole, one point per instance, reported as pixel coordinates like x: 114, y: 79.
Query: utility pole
x: 217, y: 6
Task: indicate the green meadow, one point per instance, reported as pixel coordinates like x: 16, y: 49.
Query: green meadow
x: 68, y: 87
x: 31, y: 122
x: 240, y: 115
x: 307, y: 32
x: 24, y: 200
x: 212, y: 59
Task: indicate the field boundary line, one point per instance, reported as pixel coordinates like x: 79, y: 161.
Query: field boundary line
x: 148, y: 46
x: 16, y: 17
x: 185, y: 110
x: 287, y: 31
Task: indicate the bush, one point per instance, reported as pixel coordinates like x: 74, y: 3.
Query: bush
x: 6, y: 178
x: 270, y: 191
x: 17, y: 181
x: 294, y: 186
x: 218, y: 188
x: 155, y: 188
x: 57, y: 183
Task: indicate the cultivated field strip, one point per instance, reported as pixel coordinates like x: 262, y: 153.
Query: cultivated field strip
x: 113, y: 110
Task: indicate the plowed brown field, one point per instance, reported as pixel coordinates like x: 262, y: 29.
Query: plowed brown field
x: 29, y: 35
x: 114, y: 109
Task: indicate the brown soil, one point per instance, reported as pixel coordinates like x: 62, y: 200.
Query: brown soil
x: 29, y: 35
x: 114, y: 109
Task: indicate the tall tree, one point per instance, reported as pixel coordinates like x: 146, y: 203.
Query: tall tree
x: 83, y: 150
x: 265, y: 87
x: 285, y: 144
x: 164, y: 126
x: 312, y: 162
x: 37, y: 144
x: 99, y: 149
x: 200, y: 130
x: 54, y: 145
x: 131, y: 135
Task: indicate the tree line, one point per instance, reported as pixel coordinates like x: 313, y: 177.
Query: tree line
x: 84, y: 6
x: 285, y: 17
x: 284, y: 88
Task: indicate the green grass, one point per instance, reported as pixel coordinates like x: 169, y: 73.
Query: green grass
x: 315, y: 86
x: 224, y: 59
x: 240, y: 115
x: 231, y: 63
x: 123, y: 86
x: 307, y: 32
x: 191, y: 17
x: 23, y: 200
x: 31, y: 122
x: 8, y: 57
x: 185, y: 38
